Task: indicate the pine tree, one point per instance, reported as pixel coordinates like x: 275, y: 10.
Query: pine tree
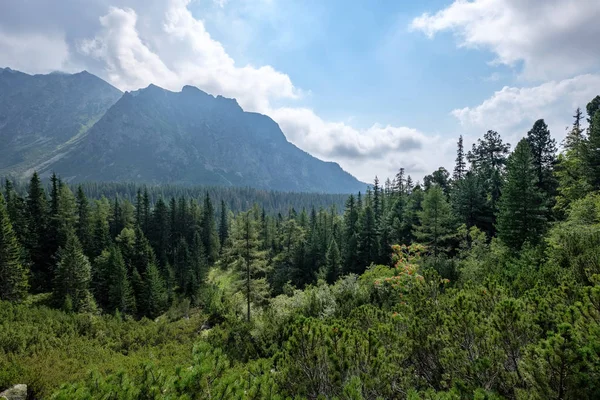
x: 37, y: 227
x: 248, y: 261
x: 73, y: 274
x: 543, y: 149
x: 521, y: 217
x: 13, y: 274
x: 441, y: 178
x: 460, y: 168
x: 436, y: 223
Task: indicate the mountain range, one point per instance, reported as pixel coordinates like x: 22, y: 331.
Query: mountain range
x: 84, y: 129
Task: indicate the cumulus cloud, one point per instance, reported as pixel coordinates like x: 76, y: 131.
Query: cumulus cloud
x: 552, y: 38
x: 512, y: 110
x: 378, y: 150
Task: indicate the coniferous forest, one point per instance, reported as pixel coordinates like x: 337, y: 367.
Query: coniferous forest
x: 482, y: 281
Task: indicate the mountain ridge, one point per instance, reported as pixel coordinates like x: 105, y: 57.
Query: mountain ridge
x: 154, y: 135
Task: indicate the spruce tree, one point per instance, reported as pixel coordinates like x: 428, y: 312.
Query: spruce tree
x: 368, y: 243
x: 37, y: 227
x: 543, y: 150
x: 488, y: 160
x: 592, y: 152
x: 159, y: 232
x: 210, y: 238
x: 334, y: 262
x: 16, y: 208
x: 224, y: 225
x: 155, y: 293
x: 67, y: 214
x: 120, y: 292
x: 436, y: 224
x: 84, y: 222
x: 460, y: 168
x: 575, y: 136
x: 73, y: 274
x: 470, y: 203
x: 571, y: 168
x: 13, y: 274
x: 521, y: 216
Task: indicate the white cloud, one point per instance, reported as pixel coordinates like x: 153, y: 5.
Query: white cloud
x: 512, y: 110
x: 552, y: 38
x: 32, y: 52
x: 378, y: 150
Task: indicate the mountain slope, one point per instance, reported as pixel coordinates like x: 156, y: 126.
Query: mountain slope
x: 41, y: 116
x: 190, y: 137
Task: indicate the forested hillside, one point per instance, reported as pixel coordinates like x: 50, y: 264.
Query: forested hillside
x: 483, y: 282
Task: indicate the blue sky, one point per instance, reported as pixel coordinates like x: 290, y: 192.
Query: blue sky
x: 373, y: 85
x: 360, y: 60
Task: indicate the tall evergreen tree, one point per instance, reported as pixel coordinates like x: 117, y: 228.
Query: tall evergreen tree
x: 155, y: 297
x: 350, y: 234
x: 522, y: 216
x: 488, y: 159
x: 436, y: 223
x: 592, y: 153
x: 439, y: 177
x: 73, y: 274
x: 224, y: 225
x: 16, y: 208
x: 460, y: 167
x: 210, y: 238
x: 13, y: 274
x: 575, y: 136
x: 37, y: 227
x: 120, y: 292
x: 84, y: 222
x: 248, y: 261
x: 543, y: 150
x: 368, y: 243
x: 334, y: 262
x: 470, y: 203
x: 159, y: 232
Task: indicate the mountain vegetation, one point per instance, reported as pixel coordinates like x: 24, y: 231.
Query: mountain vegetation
x: 482, y: 284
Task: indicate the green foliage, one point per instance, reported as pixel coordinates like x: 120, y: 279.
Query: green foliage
x: 13, y: 274
x: 522, y: 216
